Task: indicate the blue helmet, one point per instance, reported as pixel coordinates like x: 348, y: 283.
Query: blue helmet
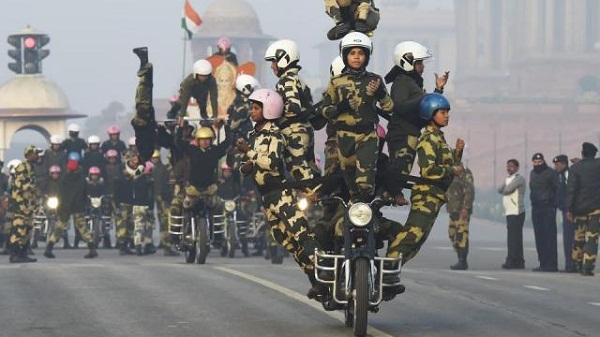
x: 74, y: 156
x: 430, y: 103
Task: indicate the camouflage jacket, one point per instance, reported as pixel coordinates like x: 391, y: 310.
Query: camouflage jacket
x: 24, y: 185
x: 266, y: 150
x: 435, y: 159
x: 297, y: 100
x: 353, y: 86
x: 239, y: 116
x: 461, y: 193
x: 202, y: 92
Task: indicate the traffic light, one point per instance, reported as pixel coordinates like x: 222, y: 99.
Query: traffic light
x: 28, y: 52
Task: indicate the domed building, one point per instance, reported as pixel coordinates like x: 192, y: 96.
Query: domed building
x: 237, y: 20
x: 35, y: 103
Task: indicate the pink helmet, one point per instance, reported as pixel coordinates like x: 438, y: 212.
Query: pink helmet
x: 113, y: 130
x: 111, y: 153
x: 149, y: 167
x: 271, y: 101
x: 94, y: 170
x: 224, y: 166
x: 224, y: 43
x: 381, y: 131
x: 54, y: 169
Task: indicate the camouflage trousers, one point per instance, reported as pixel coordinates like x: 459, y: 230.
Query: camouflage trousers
x: 458, y: 232
x: 124, y: 222
x: 332, y: 161
x: 20, y: 231
x: 299, y: 156
x: 402, y: 153
x: 289, y: 227
x: 423, y: 213
x: 143, y: 96
x: 63, y: 224
x: 357, y: 153
x: 585, y: 245
x: 142, y: 226
x: 162, y: 213
x: 360, y: 8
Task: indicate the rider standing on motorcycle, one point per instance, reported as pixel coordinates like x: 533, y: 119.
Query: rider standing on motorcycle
x: 350, y: 104
x: 438, y: 164
x: 200, y: 174
x: 265, y: 163
x: 72, y: 196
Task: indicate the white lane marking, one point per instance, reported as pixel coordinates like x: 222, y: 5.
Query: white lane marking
x: 486, y: 278
x: 536, y: 288
x: 594, y: 303
x: 298, y: 297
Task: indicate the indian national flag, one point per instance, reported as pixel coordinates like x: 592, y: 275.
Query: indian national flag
x: 190, y: 19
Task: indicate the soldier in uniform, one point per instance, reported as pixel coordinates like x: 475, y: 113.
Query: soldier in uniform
x: 264, y: 162
x: 23, y: 198
x: 294, y: 124
x: 162, y: 197
x: 144, y: 122
x: 141, y: 189
x: 73, y: 197
x: 224, y: 46
x: 74, y: 143
x: 124, y: 200
x: 114, y: 141
x: 201, y: 85
x: 351, y: 15
x: 460, y: 195
x: 407, y: 91
x: 438, y: 165
x: 349, y: 104
x: 583, y: 207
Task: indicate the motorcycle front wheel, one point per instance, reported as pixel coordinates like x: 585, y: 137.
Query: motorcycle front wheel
x: 361, y: 299
x: 202, y: 242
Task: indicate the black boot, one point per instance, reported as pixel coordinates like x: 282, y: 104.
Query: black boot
x: 19, y: 256
x: 462, y: 261
x: 48, y: 252
x: 124, y: 250
x: 317, y: 289
x: 106, y: 241
x: 149, y: 249
x: 361, y: 26
x: 93, y: 252
x: 138, y: 250
x: 142, y: 53
x: 77, y: 239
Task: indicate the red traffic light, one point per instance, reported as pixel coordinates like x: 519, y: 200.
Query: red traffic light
x: 29, y: 42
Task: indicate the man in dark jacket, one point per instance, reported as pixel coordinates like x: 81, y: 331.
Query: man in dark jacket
x: 561, y: 166
x: 542, y: 184
x: 201, y: 85
x: 583, y: 206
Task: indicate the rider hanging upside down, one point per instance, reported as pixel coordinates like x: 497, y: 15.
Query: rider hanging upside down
x: 351, y: 15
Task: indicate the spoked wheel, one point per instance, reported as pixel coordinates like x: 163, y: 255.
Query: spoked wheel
x: 361, y: 299
x: 202, y: 240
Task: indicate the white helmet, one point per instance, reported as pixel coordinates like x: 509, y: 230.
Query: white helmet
x: 353, y: 40
x: 246, y: 84
x: 93, y: 140
x: 12, y: 165
x: 73, y: 128
x: 202, y: 67
x: 131, y: 141
x: 284, y: 52
x: 337, y: 66
x: 407, y: 52
x: 56, y: 139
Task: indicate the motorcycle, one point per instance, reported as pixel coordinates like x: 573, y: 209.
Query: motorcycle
x: 258, y: 231
x: 232, y: 228
x: 44, y: 219
x: 98, y: 218
x: 192, y: 230
x: 357, y: 285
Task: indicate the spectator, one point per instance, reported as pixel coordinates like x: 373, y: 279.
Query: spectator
x: 561, y: 166
x: 513, y: 191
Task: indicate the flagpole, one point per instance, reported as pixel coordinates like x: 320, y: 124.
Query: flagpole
x: 184, y: 55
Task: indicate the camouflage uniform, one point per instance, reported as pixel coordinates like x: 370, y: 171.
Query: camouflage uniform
x: 241, y: 126
x: 23, y: 198
x: 436, y: 160
x: 203, y: 92
x: 288, y: 225
x: 585, y: 244
x: 358, y: 10
x: 160, y: 179
x: 143, y: 121
x: 355, y: 128
x: 460, y: 195
x: 299, y: 155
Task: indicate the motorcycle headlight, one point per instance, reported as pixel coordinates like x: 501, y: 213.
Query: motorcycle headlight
x: 230, y: 205
x: 302, y: 204
x: 52, y: 202
x: 96, y: 202
x: 360, y: 214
